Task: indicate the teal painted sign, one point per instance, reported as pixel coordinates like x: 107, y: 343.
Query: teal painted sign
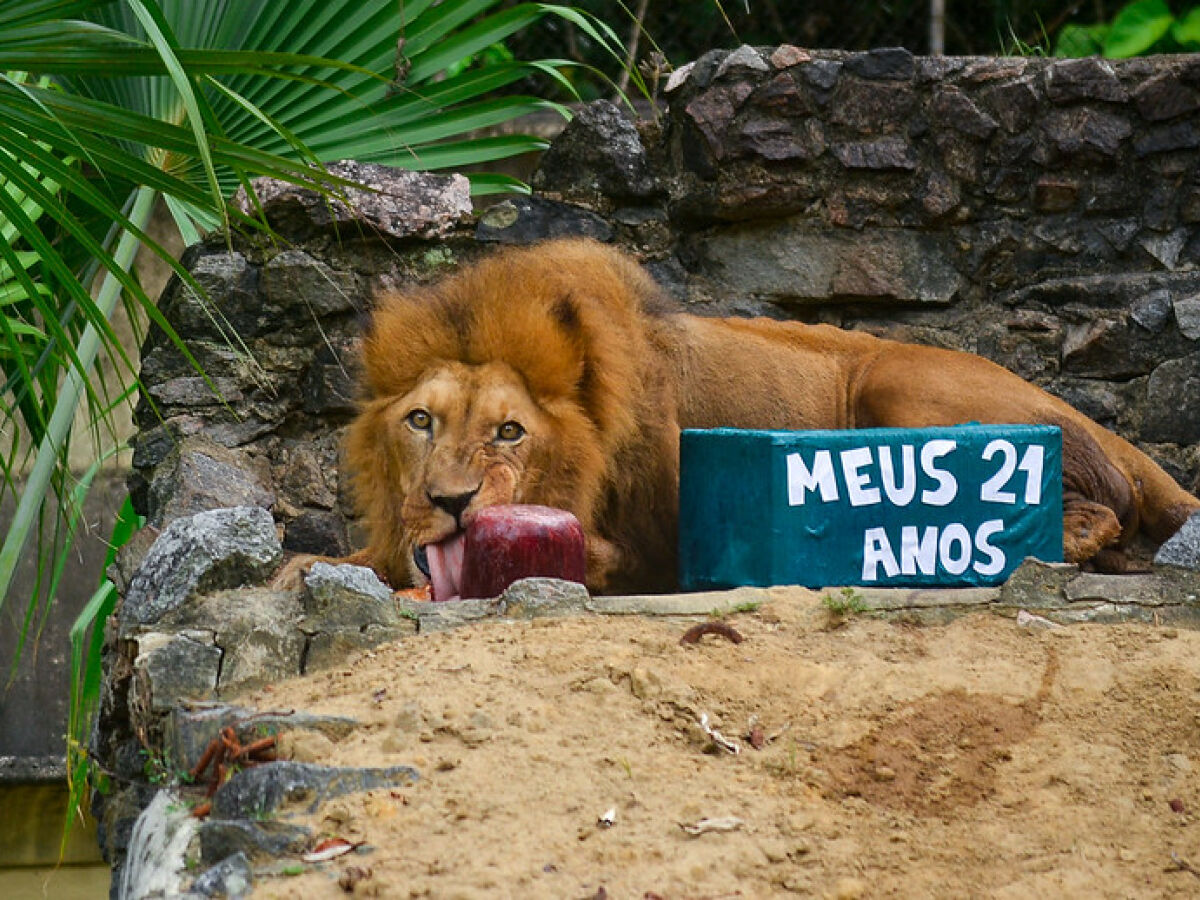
x: 886, y: 507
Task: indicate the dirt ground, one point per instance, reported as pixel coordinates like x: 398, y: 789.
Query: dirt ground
x: 979, y: 758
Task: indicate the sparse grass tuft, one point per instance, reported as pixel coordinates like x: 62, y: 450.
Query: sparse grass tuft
x: 847, y: 602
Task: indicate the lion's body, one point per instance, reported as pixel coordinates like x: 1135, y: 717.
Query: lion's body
x: 560, y: 342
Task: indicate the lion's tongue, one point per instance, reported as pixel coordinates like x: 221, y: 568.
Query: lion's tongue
x: 445, y: 567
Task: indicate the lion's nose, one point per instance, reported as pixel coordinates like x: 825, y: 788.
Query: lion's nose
x: 453, y: 503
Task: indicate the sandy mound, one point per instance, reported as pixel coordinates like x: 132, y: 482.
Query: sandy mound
x: 976, y: 758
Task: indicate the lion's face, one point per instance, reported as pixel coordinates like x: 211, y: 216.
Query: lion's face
x: 468, y: 435
x: 465, y: 438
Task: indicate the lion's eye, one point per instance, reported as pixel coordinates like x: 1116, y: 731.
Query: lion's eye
x: 510, y: 431
x: 420, y: 420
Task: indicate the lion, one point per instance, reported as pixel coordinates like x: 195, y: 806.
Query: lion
x: 557, y: 375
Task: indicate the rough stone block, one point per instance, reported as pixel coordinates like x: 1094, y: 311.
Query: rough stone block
x: 822, y: 74
x: 221, y: 838
x: 1187, y: 316
x: 1092, y: 397
x: 347, y: 597
x: 330, y: 385
x: 1037, y: 585
x: 232, y: 877
x: 1083, y: 79
x: 712, y: 113
x: 1101, y: 292
x: 295, y: 283
x: 266, y: 788
x: 190, y: 727
x: 940, y: 195
x: 776, y: 139
x: 1108, y: 347
x: 1083, y: 129
x: 873, y: 107
x: 786, y: 96
x: 599, y: 153
x: 1165, y: 97
x: 1167, y: 138
x: 534, y: 598
x: 330, y: 649
x: 1173, y: 402
x: 227, y: 305
x: 1153, y: 311
x: 194, y: 391
x: 744, y: 59
x: 200, y: 475
x: 397, y: 203
x: 791, y: 262
x: 452, y: 614
x: 221, y: 548
x: 317, y: 531
x: 884, y: 153
x: 954, y: 108
x: 1182, y: 548
x: 1167, y: 586
x: 259, y: 654
x: 174, y: 667
x: 699, y: 603
x: 883, y: 63
x: 1013, y: 104
x: 786, y: 55
x: 305, y: 471
x: 527, y: 220
x: 255, y: 628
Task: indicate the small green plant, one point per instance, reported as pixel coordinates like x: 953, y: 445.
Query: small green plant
x: 1016, y: 46
x: 846, y: 602
x: 154, y: 767
x: 748, y: 607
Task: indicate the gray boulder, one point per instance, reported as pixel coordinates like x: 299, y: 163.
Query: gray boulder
x: 264, y: 789
x: 346, y: 596
x: 208, y: 551
x: 397, y: 203
x: 1183, y: 548
x: 598, y: 154
x: 231, y: 877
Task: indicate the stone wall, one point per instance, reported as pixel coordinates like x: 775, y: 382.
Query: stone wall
x: 1042, y: 213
